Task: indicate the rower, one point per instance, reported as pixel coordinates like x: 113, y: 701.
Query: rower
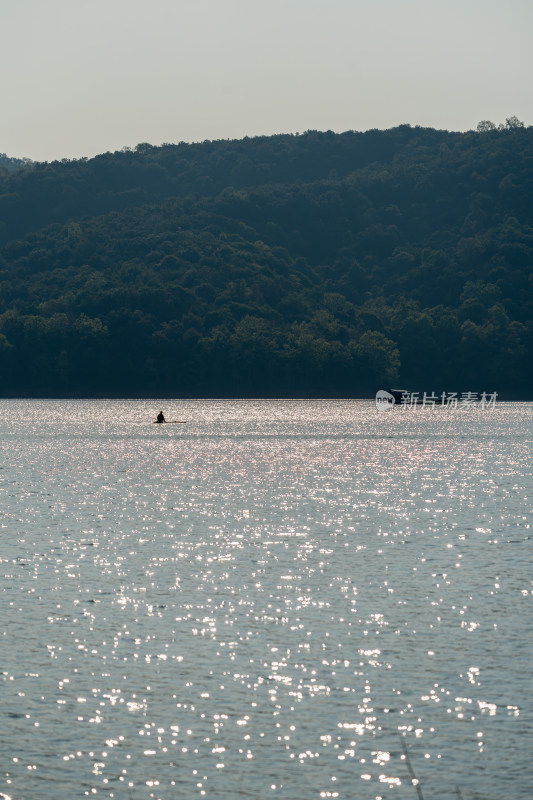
x: 161, y: 417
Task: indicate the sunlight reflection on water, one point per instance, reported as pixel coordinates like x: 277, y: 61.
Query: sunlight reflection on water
x: 262, y: 602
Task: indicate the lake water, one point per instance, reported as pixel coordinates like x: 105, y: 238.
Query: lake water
x: 275, y: 600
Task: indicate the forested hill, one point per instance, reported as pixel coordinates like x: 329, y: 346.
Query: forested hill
x: 8, y: 164
x: 318, y: 264
x: 58, y: 191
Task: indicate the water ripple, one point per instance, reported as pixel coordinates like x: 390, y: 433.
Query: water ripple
x: 277, y: 600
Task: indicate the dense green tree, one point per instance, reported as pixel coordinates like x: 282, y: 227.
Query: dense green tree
x: 321, y: 264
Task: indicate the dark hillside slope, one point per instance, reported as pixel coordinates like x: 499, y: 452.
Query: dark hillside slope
x: 413, y: 265
x: 59, y: 191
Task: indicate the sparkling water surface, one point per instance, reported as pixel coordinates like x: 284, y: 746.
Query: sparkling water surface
x: 274, y: 600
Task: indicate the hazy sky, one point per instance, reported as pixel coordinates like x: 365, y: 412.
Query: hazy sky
x: 79, y: 77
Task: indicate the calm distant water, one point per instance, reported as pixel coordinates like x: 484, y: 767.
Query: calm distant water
x: 270, y: 601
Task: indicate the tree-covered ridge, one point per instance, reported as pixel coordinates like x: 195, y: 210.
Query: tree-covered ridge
x: 58, y: 191
x: 10, y: 164
x: 358, y: 261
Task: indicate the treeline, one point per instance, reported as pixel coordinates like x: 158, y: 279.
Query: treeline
x: 56, y: 192
x: 314, y: 265
x: 8, y: 164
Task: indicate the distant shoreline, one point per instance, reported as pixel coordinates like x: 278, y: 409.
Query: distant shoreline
x: 232, y: 398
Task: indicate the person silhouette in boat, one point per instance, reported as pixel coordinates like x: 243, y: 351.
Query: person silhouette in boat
x: 161, y: 417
